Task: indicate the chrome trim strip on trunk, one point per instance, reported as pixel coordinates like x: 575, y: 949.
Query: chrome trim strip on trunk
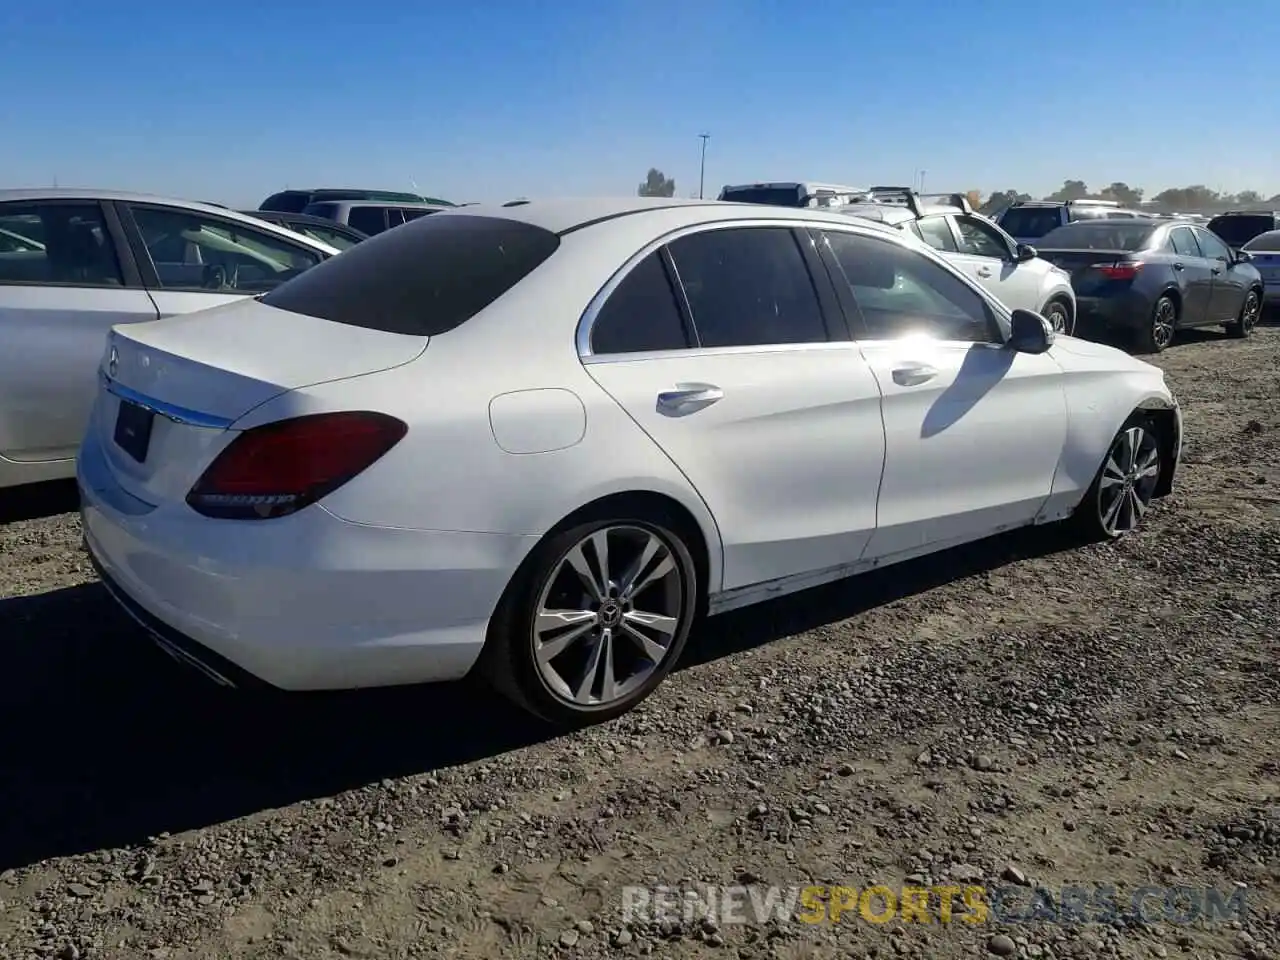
x: 170, y: 411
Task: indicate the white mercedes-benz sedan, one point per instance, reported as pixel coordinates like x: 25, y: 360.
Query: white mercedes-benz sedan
x: 538, y: 440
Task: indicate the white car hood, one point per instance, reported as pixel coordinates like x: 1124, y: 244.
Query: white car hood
x: 1100, y: 356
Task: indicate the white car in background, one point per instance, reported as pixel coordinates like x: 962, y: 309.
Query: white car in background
x: 538, y: 440
x: 1010, y: 270
x: 75, y: 263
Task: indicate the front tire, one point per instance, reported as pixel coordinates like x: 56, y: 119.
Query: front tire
x: 594, y: 620
x: 1126, y: 482
x: 1059, y: 317
x: 1161, y: 325
x: 1250, y: 311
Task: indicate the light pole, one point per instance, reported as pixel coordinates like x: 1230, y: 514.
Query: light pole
x: 702, y: 168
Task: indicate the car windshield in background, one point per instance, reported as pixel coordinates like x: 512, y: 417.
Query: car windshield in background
x: 422, y: 280
x: 1268, y: 242
x: 771, y: 196
x: 1237, y: 229
x: 1098, y: 235
x: 1030, y: 222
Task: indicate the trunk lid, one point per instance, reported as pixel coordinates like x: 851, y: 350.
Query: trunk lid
x: 1086, y: 278
x: 200, y: 372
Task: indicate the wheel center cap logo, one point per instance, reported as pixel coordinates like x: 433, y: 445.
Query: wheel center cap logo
x: 610, y: 614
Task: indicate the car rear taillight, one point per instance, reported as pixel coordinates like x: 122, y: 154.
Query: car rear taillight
x: 279, y: 468
x: 1120, y: 270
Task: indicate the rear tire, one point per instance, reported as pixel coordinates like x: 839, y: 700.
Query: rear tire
x: 1126, y: 482
x: 594, y: 619
x: 1250, y: 312
x: 1160, y: 328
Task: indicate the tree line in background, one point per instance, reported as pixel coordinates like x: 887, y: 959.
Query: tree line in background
x: 1192, y: 199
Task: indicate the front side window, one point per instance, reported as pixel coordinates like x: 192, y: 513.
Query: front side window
x: 57, y: 243
x: 979, y: 240
x: 748, y: 286
x: 333, y: 238
x: 903, y: 293
x: 368, y: 220
x: 936, y: 232
x: 641, y: 314
x: 192, y: 251
x: 1211, y: 246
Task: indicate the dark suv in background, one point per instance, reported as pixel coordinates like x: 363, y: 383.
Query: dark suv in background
x: 1238, y: 227
x: 295, y: 201
x: 1029, y: 220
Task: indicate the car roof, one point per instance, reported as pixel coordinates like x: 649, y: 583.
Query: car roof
x: 380, y: 204
x: 124, y: 196
x: 563, y: 214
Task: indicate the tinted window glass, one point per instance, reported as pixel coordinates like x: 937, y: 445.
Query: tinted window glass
x: 936, y: 232
x: 426, y: 279
x: 773, y: 196
x: 1184, y: 242
x: 641, y: 314
x: 194, y: 252
x: 1237, y: 229
x: 1268, y: 242
x: 368, y: 220
x: 748, y: 286
x: 979, y: 240
x: 1211, y: 246
x: 411, y: 214
x: 332, y: 237
x: 395, y: 217
x: 1099, y: 235
x: 288, y: 201
x: 1030, y: 222
x: 901, y: 292
x: 56, y: 243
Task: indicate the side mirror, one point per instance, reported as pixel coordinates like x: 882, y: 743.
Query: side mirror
x: 1031, y: 333
x: 1024, y: 252
x: 1242, y: 256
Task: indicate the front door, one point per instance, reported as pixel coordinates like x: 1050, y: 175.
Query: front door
x: 1230, y: 285
x: 755, y: 393
x: 62, y: 289
x: 973, y: 431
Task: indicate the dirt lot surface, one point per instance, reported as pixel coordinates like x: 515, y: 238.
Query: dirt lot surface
x: 1011, y: 714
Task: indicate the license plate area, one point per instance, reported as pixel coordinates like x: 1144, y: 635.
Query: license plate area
x: 133, y: 430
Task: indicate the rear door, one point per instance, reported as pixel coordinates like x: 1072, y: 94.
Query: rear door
x: 191, y: 260
x: 987, y: 256
x: 1194, y: 275
x: 65, y: 281
x: 727, y: 354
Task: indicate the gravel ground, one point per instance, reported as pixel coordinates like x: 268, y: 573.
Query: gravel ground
x: 1018, y: 712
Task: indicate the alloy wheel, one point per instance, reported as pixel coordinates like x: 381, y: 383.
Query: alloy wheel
x: 1128, y: 481
x: 1250, y: 313
x: 1162, y: 323
x: 607, y: 615
x: 1057, y: 317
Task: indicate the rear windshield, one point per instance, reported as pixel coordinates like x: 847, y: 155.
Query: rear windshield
x: 1237, y: 229
x: 1027, y: 222
x: 1268, y: 242
x: 1099, y: 235
x: 423, y: 279
x: 772, y: 196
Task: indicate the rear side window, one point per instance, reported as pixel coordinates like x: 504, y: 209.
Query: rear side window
x: 641, y: 314
x: 748, y: 286
x: 368, y: 220
x: 423, y: 280
x: 1184, y: 242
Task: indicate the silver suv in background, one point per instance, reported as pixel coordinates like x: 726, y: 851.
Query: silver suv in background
x: 1011, y: 271
x: 370, y: 217
x: 1029, y: 220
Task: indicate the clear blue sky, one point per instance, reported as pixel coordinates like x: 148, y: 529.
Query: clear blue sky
x: 491, y: 99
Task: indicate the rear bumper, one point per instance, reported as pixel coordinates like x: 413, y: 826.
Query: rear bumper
x: 307, y: 602
x: 1126, y: 312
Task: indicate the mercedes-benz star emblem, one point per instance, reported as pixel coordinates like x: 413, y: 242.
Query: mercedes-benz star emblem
x: 113, y: 362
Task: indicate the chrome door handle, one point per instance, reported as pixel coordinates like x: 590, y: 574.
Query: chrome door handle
x: 913, y: 375
x: 1178, y: 266
x: 687, y: 395
x: 984, y: 271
